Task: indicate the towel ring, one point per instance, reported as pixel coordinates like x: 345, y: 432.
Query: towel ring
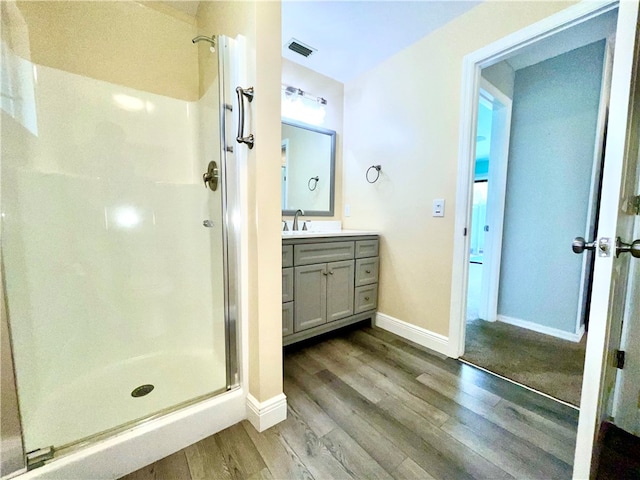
x: 377, y: 168
x: 315, y: 184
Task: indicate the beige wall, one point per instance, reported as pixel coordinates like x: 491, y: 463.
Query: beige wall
x: 266, y: 322
x: 333, y: 91
x: 85, y: 38
x: 260, y: 23
x: 415, y: 139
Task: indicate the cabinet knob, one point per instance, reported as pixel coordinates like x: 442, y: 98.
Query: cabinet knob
x: 367, y: 271
x: 366, y: 299
x: 331, y: 273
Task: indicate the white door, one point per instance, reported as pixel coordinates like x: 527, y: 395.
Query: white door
x: 611, y: 273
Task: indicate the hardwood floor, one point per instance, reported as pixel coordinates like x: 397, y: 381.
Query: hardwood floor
x: 367, y: 404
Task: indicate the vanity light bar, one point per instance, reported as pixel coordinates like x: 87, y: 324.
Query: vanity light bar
x: 291, y: 91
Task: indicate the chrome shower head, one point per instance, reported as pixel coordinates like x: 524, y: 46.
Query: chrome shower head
x: 202, y: 38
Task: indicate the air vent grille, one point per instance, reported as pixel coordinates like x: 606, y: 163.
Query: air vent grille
x: 300, y: 48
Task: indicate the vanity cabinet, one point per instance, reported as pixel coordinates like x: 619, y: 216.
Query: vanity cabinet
x: 327, y: 283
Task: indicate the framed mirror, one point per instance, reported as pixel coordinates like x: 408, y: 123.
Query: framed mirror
x: 308, y: 169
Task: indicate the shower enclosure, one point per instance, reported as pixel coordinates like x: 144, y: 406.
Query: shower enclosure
x: 118, y: 260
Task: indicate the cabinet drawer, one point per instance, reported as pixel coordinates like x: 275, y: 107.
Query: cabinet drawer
x: 287, y: 284
x: 287, y: 319
x: 366, y: 248
x: 366, y: 298
x: 287, y: 256
x: 366, y: 271
x: 310, y: 253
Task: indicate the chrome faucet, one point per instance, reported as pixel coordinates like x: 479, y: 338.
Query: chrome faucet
x: 295, y: 220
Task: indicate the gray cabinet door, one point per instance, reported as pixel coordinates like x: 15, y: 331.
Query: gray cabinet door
x: 287, y: 285
x: 287, y: 319
x: 311, y: 296
x: 340, y: 289
x: 287, y: 256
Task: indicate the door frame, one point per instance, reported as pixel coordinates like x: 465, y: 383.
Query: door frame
x: 496, y: 195
x: 473, y: 63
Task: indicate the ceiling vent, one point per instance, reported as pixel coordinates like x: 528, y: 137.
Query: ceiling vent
x: 300, y: 48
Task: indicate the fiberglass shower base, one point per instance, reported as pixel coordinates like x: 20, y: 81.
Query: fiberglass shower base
x: 103, y: 401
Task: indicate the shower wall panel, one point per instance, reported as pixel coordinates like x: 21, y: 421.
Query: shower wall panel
x: 112, y: 280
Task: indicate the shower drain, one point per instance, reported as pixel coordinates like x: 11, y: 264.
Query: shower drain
x: 142, y: 390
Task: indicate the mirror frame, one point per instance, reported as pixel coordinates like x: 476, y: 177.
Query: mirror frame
x: 332, y: 166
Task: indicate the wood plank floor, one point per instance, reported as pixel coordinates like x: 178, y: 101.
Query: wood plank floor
x: 367, y: 404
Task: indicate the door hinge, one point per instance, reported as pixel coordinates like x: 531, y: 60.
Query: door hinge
x: 620, y: 359
x: 36, y: 458
x: 464, y: 232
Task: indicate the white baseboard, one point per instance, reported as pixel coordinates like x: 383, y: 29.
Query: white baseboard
x: 554, y: 332
x: 147, y: 443
x: 413, y: 333
x: 263, y: 415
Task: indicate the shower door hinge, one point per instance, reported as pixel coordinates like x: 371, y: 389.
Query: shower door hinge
x: 620, y: 359
x: 36, y: 458
x: 464, y: 232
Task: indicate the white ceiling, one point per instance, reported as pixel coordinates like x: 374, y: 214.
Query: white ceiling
x: 352, y: 37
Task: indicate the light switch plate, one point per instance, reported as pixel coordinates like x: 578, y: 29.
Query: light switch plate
x: 438, y: 207
x: 347, y: 210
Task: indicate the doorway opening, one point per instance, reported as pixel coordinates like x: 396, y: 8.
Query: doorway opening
x: 533, y: 185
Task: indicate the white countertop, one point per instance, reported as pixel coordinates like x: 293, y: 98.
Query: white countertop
x: 336, y: 233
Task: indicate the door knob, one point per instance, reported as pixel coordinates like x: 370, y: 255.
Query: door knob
x: 632, y: 248
x: 579, y: 245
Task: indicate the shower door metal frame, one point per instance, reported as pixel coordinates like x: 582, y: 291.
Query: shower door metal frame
x: 230, y: 203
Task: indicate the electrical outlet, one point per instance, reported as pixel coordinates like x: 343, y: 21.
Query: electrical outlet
x: 347, y: 210
x: 438, y: 207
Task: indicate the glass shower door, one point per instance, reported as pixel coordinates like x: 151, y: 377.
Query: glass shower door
x: 113, y: 249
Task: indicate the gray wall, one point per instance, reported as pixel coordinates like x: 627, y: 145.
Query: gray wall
x: 555, y: 108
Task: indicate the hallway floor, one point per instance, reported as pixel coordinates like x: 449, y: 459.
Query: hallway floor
x: 548, y: 364
x: 367, y: 404
x: 542, y: 362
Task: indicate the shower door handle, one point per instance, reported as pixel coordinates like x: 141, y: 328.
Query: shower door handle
x: 243, y: 92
